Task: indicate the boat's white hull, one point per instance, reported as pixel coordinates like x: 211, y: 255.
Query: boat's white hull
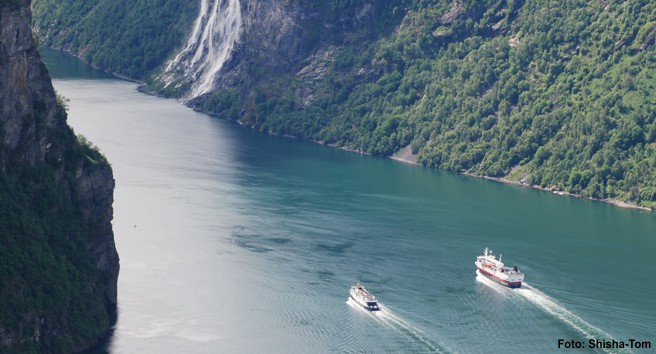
x: 367, y: 305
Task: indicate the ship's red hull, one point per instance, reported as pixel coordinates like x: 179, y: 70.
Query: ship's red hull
x: 510, y: 284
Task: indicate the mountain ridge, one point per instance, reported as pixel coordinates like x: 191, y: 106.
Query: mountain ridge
x: 559, y: 96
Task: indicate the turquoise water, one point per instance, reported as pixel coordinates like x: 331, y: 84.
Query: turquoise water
x: 232, y: 241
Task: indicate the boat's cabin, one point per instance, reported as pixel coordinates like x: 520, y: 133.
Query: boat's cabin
x: 511, y: 270
x: 373, y: 306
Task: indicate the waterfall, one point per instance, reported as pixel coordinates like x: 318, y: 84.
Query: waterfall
x: 214, y: 34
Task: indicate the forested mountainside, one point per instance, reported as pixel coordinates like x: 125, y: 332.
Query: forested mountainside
x: 559, y: 95
x: 58, y: 263
x: 127, y: 37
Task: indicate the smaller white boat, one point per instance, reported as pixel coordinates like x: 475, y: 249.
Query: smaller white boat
x: 363, y: 297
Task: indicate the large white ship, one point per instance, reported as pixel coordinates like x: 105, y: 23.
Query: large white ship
x: 363, y: 298
x: 494, y: 269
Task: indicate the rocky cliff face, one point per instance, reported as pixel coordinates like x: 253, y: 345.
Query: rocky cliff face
x: 58, y: 263
x: 283, y: 35
x: 280, y: 37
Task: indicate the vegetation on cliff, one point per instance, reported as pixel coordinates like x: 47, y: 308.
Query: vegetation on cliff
x: 129, y: 38
x: 559, y: 95
x: 52, y: 297
x: 58, y: 263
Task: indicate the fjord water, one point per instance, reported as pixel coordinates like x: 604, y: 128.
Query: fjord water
x: 232, y: 241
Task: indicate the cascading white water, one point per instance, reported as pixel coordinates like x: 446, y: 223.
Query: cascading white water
x: 215, y: 32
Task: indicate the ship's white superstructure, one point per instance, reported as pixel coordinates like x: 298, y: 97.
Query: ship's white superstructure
x: 494, y: 269
x: 363, y: 297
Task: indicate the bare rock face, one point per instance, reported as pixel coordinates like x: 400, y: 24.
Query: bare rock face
x: 24, y: 83
x: 279, y: 37
x: 59, y: 266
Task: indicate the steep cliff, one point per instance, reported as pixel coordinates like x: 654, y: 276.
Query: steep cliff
x: 551, y: 94
x: 280, y: 38
x: 540, y: 93
x: 129, y: 38
x: 58, y: 263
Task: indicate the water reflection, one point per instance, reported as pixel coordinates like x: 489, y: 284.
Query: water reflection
x: 234, y: 241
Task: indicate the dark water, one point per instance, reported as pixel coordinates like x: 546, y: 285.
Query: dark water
x: 236, y: 242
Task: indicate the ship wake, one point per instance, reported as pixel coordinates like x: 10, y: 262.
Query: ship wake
x: 215, y: 32
x: 550, y: 306
x: 387, y: 318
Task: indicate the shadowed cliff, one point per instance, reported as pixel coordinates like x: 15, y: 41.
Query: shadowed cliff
x: 58, y: 262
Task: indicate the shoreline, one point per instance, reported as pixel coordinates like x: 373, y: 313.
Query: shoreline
x: 404, y: 155
x: 614, y: 202
x: 118, y: 76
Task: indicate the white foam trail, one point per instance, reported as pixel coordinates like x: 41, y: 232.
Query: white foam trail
x: 386, y: 317
x: 544, y: 302
x: 354, y: 305
x: 215, y: 32
x: 549, y: 305
x: 409, y: 330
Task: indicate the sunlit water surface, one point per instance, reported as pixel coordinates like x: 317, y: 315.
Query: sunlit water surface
x: 232, y: 241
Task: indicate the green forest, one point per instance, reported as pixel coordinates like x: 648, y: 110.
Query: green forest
x: 558, y: 95
x: 127, y: 38
x: 47, y: 270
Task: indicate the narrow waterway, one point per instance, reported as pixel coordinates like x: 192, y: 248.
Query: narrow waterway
x: 232, y: 241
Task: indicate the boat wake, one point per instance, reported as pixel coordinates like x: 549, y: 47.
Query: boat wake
x: 387, y: 318
x: 549, y: 305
